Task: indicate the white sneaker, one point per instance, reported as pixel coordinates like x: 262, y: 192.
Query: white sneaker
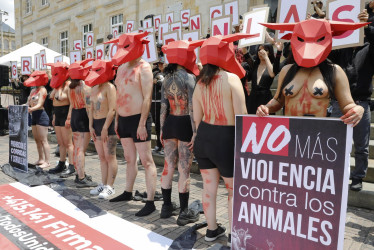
x: 97, y: 190
x: 108, y: 191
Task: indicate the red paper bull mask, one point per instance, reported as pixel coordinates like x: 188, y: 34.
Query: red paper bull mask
x: 59, y: 73
x: 130, y: 47
x: 219, y: 50
x: 79, y: 70
x: 101, y: 72
x: 183, y: 53
x: 37, y: 78
x: 311, y: 40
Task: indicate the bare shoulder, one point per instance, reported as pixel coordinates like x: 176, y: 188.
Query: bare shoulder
x: 144, y: 65
x: 233, y: 79
x: 286, y: 68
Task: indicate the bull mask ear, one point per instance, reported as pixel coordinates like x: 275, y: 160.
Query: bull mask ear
x: 116, y: 40
x: 50, y: 64
x: 234, y: 37
x: 141, y: 35
x: 280, y: 26
x: 84, y: 62
x: 195, y: 44
x: 338, y: 28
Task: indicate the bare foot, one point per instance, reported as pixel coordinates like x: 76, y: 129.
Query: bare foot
x: 44, y: 165
x: 39, y: 162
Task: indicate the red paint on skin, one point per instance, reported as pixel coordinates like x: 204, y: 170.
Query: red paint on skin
x: 77, y: 98
x: 205, y: 206
x: 207, y: 196
x: 204, y: 171
x: 165, y: 172
x: 228, y: 186
x: 208, y: 181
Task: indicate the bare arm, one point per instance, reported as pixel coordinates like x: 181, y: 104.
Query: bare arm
x: 237, y: 95
x: 90, y: 118
x: 68, y: 118
x: 191, y: 86
x: 146, y: 80
x: 111, y: 97
x: 320, y: 13
x: 198, y: 110
x: 164, y: 107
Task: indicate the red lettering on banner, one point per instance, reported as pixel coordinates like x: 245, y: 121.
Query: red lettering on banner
x: 231, y: 10
x: 160, y: 33
x: 99, y: 54
x: 129, y: 27
x: 89, y: 55
x: 214, y: 12
x: 147, y: 49
x: 157, y: 22
x: 195, y: 26
x: 249, y: 24
x: 263, y: 137
x: 14, y: 71
x: 167, y: 41
x: 176, y: 28
x: 42, y: 59
x: 111, y: 49
x: 216, y: 30
x: 78, y: 46
x: 185, y: 18
x: 89, y: 40
x: 335, y: 17
x: 169, y: 19
x: 292, y: 12
x: 26, y: 65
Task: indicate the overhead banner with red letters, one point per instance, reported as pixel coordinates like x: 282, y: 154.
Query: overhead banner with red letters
x: 40, y: 218
x: 290, y: 182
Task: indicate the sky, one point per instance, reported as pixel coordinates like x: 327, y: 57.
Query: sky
x: 8, y: 6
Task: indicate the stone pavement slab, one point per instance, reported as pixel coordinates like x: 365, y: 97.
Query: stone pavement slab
x: 359, y: 233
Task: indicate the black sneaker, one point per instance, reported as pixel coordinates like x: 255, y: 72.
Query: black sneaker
x: 70, y: 171
x: 57, y: 151
x: 86, y: 182
x: 187, y: 216
x: 168, y: 210
x: 212, y: 235
x: 58, y: 169
x: 229, y: 241
x: 356, y: 184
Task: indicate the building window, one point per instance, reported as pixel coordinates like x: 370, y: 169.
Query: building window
x: 116, y: 21
x: 64, y: 43
x: 13, y: 45
x: 28, y: 6
x: 6, y: 44
x: 45, y: 42
x: 44, y: 2
x: 86, y: 29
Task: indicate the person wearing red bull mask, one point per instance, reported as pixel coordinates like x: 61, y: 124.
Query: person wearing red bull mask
x: 101, y: 116
x: 134, y: 82
x: 61, y: 104
x: 217, y: 98
x: 40, y: 119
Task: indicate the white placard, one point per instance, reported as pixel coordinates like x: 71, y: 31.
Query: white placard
x: 176, y: 27
x: 150, y: 52
x: 162, y: 29
x: 150, y: 30
x: 43, y: 59
x: 185, y: 18
x: 192, y: 36
x: 90, y: 39
x: 169, y: 17
x: 232, y: 9
x: 75, y: 56
x: 129, y: 26
x: 195, y: 23
x: 170, y: 37
x: 215, y: 11
x: 36, y: 62
x: 89, y: 54
x: 58, y: 59
x: 251, y: 25
x: 221, y: 26
x: 112, y: 50
x: 77, y: 45
x: 291, y: 11
x: 115, y: 31
x: 147, y: 23
x: 14, y: 70
x: 100, y: 52
x: 157, y: 21
x: 25, y: 65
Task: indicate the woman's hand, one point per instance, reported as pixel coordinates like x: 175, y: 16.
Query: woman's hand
x: 93, y: 134
x: 67, y: 123
x: 279, y: 46
x: 104, y: 135
x: 191, y: 143
x: 353, y: 116
x: 262, y: 111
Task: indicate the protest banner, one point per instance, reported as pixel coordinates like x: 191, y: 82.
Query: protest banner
x: 157, y: 21
x: 115, y: 32
x: 177, y: 27
x: 130, y: 26
x: 25, y: 65
x: 257, y: 7
x: 169, y: 17
x: 100, y: 52
x: 90, y: 39
x: 43, y: 59
x: 75, y: 56
x: 112, y: 50
x: 162, y: 29
x: 150, y: 52
x: 232, y: 9
x: 58, y: 59
x: 14, y: 70
x: 251, y: 25
x: 185, y: 17
x: 77, y: 45
x: 290, y: 182
x: 215, y: 11
x: 147, y: 23
x: 89, y: 54
x: 221, y: 26
x: 36, y: 62
x: 291, y: 11
x: 346, y: 11
x: 192, y: 36
x: 18, y: 124
x: 195, y: 23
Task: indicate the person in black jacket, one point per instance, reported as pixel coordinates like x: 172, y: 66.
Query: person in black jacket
x: 158, y: 79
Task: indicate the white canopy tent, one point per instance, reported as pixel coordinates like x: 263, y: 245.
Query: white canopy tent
x: 30, y: 50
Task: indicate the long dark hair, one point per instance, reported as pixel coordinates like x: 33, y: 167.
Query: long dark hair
x: 267, y: 47
x: 74, y: 83
x: 328, y: 72
x: 170, y: 69
x: 207, y: 73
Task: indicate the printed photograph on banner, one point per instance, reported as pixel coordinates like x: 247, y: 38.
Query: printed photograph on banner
x: 18, y: 127
x: 157, y: 21
x: 43, y: 59
x: 58, y: 59
x: 100, y: 52
x: 257, y: 7
x: 26, y: 65
x: 115, y: 31
x: 192, y: 36
x: 215, y: 12
x: 36, y: 62
x: 112, y: 50
x: 291, y: 179
x: 176, y: 27
x: 89, y: 54
x: 77, y: 45
x: 291, y: 11
x: 185, y: 18
x: 169, y: 17
x: 346, y: 11
x: 75, y: 56
x: 251, y: 25
x: 163, y: 28
x: 150, y: 52
x: 232, y: 9
x: 195, y: 22
x: 129, y: 26
x: 147, y: 23
x: 170, y: 37
x: 90, y: 39
x: 13, y: 66
x: 221, y: 26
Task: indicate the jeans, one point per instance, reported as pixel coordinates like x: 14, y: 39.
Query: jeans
x: 361, y: 138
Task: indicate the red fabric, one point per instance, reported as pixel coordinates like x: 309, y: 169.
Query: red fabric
x: 59, y: 72
x: 101, y: 72
x: 37, y: 78
x: 79, y: 70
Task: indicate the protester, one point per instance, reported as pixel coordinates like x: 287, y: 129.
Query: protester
x: 158, y: 79
x: 358, y: 64
x: 40, y: 119
x: 218, y: 97
x: 101, y: 117
x: 319, y: 13
x: 61, y: 104
x: 134, y: 82
x: 48, y: 104
x: 77, y: 119
x: 177, y: 126
x: 266, y: 67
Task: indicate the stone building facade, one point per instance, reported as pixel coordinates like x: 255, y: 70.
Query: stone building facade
x: 8, y: 43
x: 57, y: 23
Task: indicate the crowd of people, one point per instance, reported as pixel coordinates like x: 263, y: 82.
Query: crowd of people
x: 194, y: 108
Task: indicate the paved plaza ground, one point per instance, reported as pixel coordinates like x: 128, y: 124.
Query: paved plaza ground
x: 359, y: 233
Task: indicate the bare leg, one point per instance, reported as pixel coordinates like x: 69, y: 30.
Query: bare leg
x: 184, y: 167
x: 39, y: 146
x: 229, y: 182
x: 67, y: 141
x: 129, y: 151
x: 76, y: 148
x: 103, y: 163
x: 171, y: 158
x: 60, y: 141
x: 42, y: 135
x: 83, y: 140
x: 145, y: 154
x: 210, y: 182
x: 110, y: 156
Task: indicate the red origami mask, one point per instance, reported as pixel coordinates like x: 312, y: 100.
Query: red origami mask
x: 79, y: 70
x: 311, y: 40
x: 219, y: 51
x: 37, y: 78
x: 183, y: 53
x: 59, y: 73
x: 130, y: 47
x: 101, y: 72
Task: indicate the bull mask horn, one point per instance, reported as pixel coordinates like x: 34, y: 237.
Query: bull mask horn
x: 234, y: 37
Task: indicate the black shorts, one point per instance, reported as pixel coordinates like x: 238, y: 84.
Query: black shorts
x: 79, y: 120
x: 214, y: 148
x: 128, y: 127
x: 40, y: 117
x: 177, y: 127
x: 61, y: 113
x: 98, y: 125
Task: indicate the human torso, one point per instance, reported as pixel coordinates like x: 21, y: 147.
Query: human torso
x: 99, y: 100
x: 129, y: 89
x: 35, y: 95
x: 60, y: 98
x: 78, y: 95
x: 307, y: 94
